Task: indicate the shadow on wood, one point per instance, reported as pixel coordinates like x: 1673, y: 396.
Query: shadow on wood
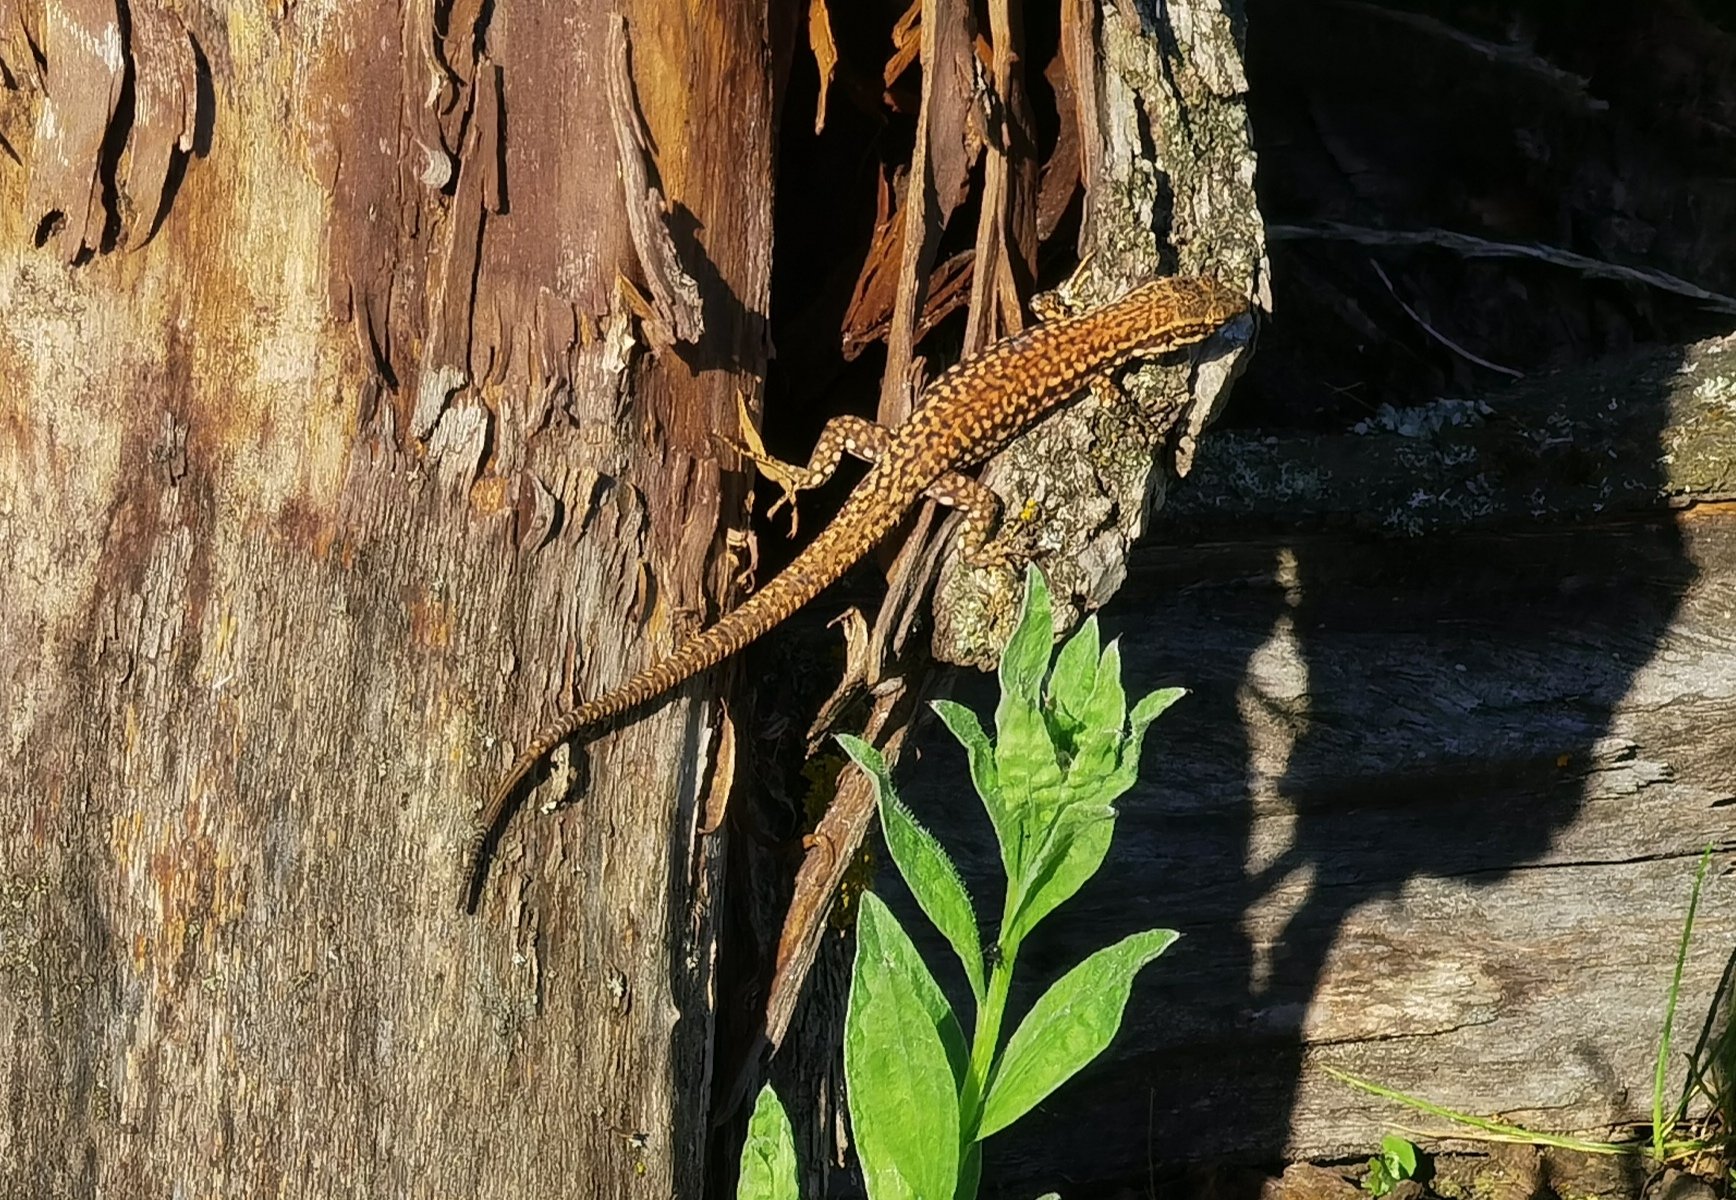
x: 1460, y: 725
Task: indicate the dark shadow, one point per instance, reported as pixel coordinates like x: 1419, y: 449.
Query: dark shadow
x: 735, y: 335
x: 1397, y: 688
x: 1365, y: 712
x: 1382, y: 704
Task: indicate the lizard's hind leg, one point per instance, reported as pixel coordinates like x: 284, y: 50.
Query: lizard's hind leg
x: 980, y: 510
x: 855, y: 436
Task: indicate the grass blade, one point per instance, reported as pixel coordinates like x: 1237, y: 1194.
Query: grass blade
x: 1663, y: 1064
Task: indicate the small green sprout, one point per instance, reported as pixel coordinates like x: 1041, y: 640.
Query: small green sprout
x: 1397, y: 1162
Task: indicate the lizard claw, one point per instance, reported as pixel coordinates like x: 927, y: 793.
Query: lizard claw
x: 788, y: 498
x: 780, y: 473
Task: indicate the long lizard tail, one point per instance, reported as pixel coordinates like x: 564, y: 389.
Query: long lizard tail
x: 820, y: 563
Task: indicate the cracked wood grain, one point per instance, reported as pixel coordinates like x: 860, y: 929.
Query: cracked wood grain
x: 271, y: 622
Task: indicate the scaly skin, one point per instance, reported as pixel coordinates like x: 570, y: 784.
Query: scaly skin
x: 965, y: 416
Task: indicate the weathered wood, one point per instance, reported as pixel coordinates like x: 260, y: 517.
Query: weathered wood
x: 1432, y: 811
x: 1169, y: 148
x: 311, y: 506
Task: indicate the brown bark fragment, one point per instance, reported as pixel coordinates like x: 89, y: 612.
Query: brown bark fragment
x: 448, y: 363
x: 1079, y: 54
x: 1062, y: 170
x: 1006, y: 240
x: 869, y: 316
x: 20, y: 42
x: 825, y: 51
x: 676, y: 313
x: 82, y: 40
x: 939, y: 170
x: 165, y: 114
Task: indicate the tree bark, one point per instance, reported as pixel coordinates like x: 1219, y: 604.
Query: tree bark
x: 333, y: 459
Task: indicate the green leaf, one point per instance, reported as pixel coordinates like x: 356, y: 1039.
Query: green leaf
x: 1030, y: 777
x: 1077, y: 843
x: 1150, y: 708
x: 1066, y: 1028
x: 985, y: 775
x: 1399, y: 1155
x: 969, y: 731
x: 1074, y: 678
x: 768, y: 1158
x: 1106, y: 709
x: 1026, y: 765
x: 902, y: 1076
x: 924, y: 863
x: 1396, y: 1163
x: 1144, y: 713
x: 1102, y: 723
x: 889, y: 941
x: 1026, y: 657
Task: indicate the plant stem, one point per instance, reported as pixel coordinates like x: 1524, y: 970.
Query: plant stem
x: 984, y: 1042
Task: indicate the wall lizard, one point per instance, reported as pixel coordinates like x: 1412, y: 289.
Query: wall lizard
x: 966, y: 415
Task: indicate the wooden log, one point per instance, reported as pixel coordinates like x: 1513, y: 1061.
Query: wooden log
x: 1463, y: 718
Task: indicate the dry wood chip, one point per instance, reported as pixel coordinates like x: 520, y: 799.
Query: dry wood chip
x: 906, y: 43
x: 868, y: 318
x: 1305, y: 1181
x: 722, y: 780
x: 825, y: 56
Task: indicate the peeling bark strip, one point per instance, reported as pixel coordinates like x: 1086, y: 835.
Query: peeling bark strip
x: 1006, y: 236
x: 446, y: 360
x: 81, y: 40
x: 676, y: 312
x: 165, y: 81
x: 939, y: 171
x: 118, y: 117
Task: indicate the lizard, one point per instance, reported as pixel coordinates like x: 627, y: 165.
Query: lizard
x: 964, y: 416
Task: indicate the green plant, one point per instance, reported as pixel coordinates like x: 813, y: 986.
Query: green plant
x: 1711, y: 1065
x: 922, y: 1098
x: 1396, y: 1162
x: 768, y: 1157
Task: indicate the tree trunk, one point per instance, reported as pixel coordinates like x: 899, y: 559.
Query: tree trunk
x: 334, y: 459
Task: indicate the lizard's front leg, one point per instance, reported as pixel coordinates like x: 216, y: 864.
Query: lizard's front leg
x: 980, y: 510
x: 855, y: 436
